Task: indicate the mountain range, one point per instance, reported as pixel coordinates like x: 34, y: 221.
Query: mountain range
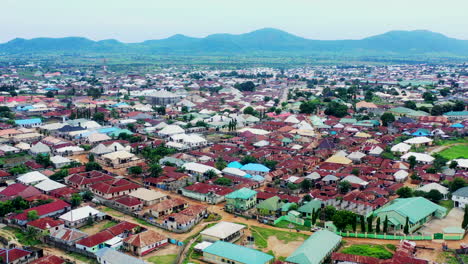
x: 259, y: 42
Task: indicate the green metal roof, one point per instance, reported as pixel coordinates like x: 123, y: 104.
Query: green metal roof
x: 238, y: 253
x: 271, y: 204
x: 285, y: 207
x: 316, y: 248
x: 307, y: 208
x: 456, y: 113
x: 415, y: 208
x: 244, y: 193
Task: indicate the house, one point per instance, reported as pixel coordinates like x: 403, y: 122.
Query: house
x: 460, y: 197
x: 241, y: 200
x: 400, y: 148
x: 78, y: 217
x: 255, y: 169
x: 46, y: 225
x: 17, y: 256
x: 95, y: 242
x: 83, y: 180
x: 225, y: 231
x: 118, y: 159
x: 209, y: 193
x: 50, y: 209
x: 144, y: 242
x: 271, y: 206
x: 28, y: 123
x: 147, y: 196
x: 59, y: 161
x: 419, y: 141
x: 167, y: 207
x: 111, y: 256
x: 128, y: 203
x: 435, y: 186
x: 418, y: 210
x: 322, y: 242
x: 221, y: 252
x: 420, y: 157
x: 309, y: 207
x: 67, y: 236
x: 40, y: 148
x: 48, y: 185
x: 113, y: 188
x: 18, y: 189
x: 185, y: 219
x: 31, y: 178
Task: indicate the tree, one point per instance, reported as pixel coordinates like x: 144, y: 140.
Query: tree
x: 248, y: 86
x: 155, y: 170
x: 355, y: 171
x: 91, y: 157
x: 453, y: 164
x: 271, y: 164
x: 90, y: 166
x: 306, y: 185
x: 135, y: 170
x: 248, y: 159
x: 99, y: 117
x: 406, y: 228
x: 465, y: 218
x: 437, y: 110
x: 410, y: 105
x: 369, y: 224
x: 344, y: 187
x: 363, y: 224
x: 405, y: 192
x: 308, y: 107
x: 412, y: 161
x: 307, y: 198
x: 210, y: 174
x: 341, y: 219
x: 249, y: 110
x: 90, y: 221
x: 377, y: 225
x: 185, y: 109
x: 456, y: 184
x: 76, y: 200
x: 32, y: 215
x: 387, y: 118
x: 429, y: 97
x: 223, y: 181
x: 87, y: 195
x: 50, y: 94
x: 31, y: 233
x: 59, y: 175
x: 336, y: 109
x: 43, y: 159
x: 220, y: 163
x: 328, y: 212
x: 368, y: 96
x: 434, y: 195
x: 385, y: 225
x: 354, y: 223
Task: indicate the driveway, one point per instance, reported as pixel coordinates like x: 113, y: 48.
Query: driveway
x: 454, y: 218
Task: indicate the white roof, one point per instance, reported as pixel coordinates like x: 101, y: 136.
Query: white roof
x: 100, y: 149
x: 40, y: 148
x: 70, y: 148
x: 401, y: 175
x: 31, y: 177
x: 48, y: 185
x: 418, y: 140
x: 434, y: 186
x: 189, y: 138
x: 171, y: 130
x: 401, y: 147
x: 419, y: 156
x: 23, y: 146
x: 234, y: 171
x: 462, y: 163
x: 147, y: 195
x: 7, y: 148
x: 355, y: 180
x: 201, y: 246
x: 121, y: 154
x: 200, y: 168
x: 357, y: 155
x: 261, y: 143
x: 222, y: 229
x: 79, y: 213
x: 255, y: 131
x: 97, y: 137
x: 59, y: 159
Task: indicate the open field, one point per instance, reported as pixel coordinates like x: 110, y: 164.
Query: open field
x: 376, y: 251
x: 458, y: 151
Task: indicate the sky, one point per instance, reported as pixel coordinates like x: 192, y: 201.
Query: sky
x: 139, y: 20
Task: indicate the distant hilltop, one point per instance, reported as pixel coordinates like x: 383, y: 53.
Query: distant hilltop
x: 259, y: 42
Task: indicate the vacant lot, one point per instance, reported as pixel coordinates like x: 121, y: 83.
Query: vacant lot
x: 459, y: 151
x: 376, y: 251
x: 453, y: 218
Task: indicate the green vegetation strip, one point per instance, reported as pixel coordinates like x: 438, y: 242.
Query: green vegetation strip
x: 163, y: 259
x: 376, y: 251
x: 455, y: 152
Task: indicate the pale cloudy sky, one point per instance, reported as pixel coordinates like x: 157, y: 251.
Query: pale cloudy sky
x: 137, y: 20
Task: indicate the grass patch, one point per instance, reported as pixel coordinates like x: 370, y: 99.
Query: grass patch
x: 391, y: 247
x: 22, y: 236
x: 112, y: 212
x: 446, y: 142
x: 448, y: 204
x: 163, y: 259
x: 261, y: 236
x: 82, y: 258
x: 459, y: 151
x: 141, y: 222
x: 213, y: 218
x: 447, y: 257
x: 109, y: 224
x: 376, y: 251
x: 285, y: 224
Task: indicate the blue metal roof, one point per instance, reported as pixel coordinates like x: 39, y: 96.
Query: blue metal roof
x: 28, y: 121
x: 255, y: 167
x: 238, y: 253
x: 234, y: 164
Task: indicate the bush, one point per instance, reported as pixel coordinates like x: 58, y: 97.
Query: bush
x: 376, y: 251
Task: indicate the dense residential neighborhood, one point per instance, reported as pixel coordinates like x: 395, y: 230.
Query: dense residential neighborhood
x: 305, y: 165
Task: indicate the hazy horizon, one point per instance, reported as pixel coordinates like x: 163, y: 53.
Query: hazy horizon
x: 139, y: 20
